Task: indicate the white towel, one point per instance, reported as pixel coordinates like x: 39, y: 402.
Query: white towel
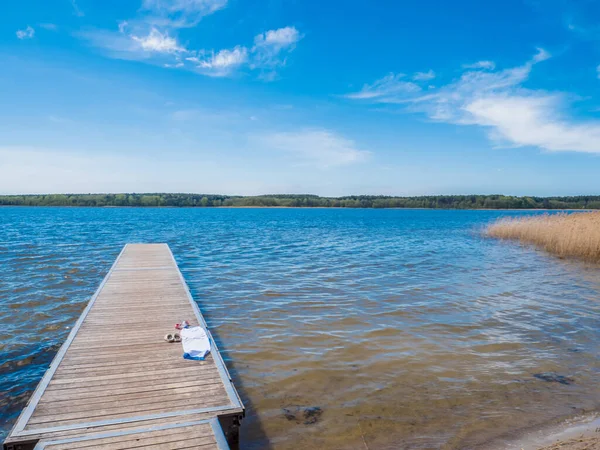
x: 196, y: 344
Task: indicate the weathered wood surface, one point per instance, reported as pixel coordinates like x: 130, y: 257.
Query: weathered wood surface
x: 115, y: 370
x: 203, y: 435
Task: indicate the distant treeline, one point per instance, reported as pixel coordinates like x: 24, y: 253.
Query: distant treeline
x: 354, y: 201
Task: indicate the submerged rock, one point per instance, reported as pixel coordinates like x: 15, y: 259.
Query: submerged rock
x: 312, y: 415
x: 309, y: 415
x: 552, y: 377
x: 289, y: 415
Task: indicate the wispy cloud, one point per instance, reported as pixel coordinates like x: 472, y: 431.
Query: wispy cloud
x: 424, y: 76
x: 174, y: 65
x: 151, y: 37
x: 179, y: 13
x: 449, y: 102
x: 486, y: 65
x: 533, y: 120
x: 321, y: 148
x: 541, y: 55
x: 279, y: 39
x: 497, y: 101
x: 222, y: 63
x: 158, y: 42
x: 589, y: 31
x: 76, y: 10
x: 271, y: 48
x: 48, y: 26
x: 393, y: 89
x: 154, y: 48
x: 26, y: 33
x: 388, y: 89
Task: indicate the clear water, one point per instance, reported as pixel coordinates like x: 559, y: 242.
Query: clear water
x: 406, y: 327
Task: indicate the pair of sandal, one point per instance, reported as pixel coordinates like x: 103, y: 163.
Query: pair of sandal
x: 173, y: 337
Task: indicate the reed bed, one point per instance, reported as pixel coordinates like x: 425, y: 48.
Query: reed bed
x: 575, y: 235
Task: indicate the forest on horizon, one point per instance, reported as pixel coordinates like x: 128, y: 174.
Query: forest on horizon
x: 304, y: 200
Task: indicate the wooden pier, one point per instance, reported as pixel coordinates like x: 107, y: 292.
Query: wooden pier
x: 116, y: 384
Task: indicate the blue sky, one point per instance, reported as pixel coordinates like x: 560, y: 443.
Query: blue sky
x: 331, y: 98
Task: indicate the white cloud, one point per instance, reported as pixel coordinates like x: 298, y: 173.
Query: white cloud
x: 270, y: 50
x: 486, y: 65
x: 321, y: 148
x: 424, y: 76
x: 533, y: 120
x: 151, y: 37
x: 497, y: 101
x: 386, y: 89
x: 278, y: 39
x: 158, y: 42
x: 222, y: 63
x: 265, y: 55
x: 155, y: 48
x: 27, y: 33
x: 448, y: 102
x: 541, y: 55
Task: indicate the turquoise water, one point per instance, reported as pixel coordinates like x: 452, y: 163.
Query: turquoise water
x: 405, y: 327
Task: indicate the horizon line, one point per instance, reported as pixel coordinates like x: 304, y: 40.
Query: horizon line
x: 299, y: 195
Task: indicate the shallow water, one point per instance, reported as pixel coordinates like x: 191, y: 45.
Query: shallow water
x: 405, y: 327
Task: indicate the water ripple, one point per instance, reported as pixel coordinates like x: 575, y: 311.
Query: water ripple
x: 405, y: 327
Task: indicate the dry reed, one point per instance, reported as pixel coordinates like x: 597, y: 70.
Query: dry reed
x: 566, y: 235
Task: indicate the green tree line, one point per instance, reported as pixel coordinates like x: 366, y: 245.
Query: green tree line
x: 353, y: 201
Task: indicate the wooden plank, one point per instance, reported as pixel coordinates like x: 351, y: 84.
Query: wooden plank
x: 160, y: 375
x: 150, y: 380
x: 131, y: 398
x: 128, y: 355
x: 122, y: 427
x: 68, y: 423
x: 149, y: 362
x: 108, y: 362
x: 43, y: 416
x: 117, y: 404
x: 84, y: 393
x: 134, y: 366
x: 126, y: 371
x: 115, y: 370
x: 91, y: 346
x: 204, y: 434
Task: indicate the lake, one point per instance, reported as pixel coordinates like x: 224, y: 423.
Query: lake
x: 407, y: 328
